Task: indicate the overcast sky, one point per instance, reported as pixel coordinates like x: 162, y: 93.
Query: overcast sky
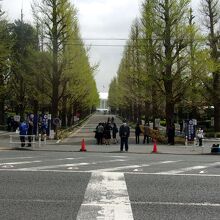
x: 98, y: 19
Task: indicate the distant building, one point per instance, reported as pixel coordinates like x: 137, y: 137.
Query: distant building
x: 103, y: 106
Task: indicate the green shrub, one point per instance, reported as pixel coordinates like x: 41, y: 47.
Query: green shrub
x: 163, y: 123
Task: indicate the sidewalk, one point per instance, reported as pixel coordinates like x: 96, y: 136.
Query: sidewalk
x: 51, y: 145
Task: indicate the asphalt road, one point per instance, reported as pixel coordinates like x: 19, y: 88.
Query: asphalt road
x: 49, y: 185
x: 106, y: 184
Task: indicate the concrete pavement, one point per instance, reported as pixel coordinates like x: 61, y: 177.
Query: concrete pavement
x: 86, y: 132
x: 53, y: 145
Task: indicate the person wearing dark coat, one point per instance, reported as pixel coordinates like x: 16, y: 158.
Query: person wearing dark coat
x: 99, y: 133
x: 137, y: 133
x: 124, y: 133
x: 107, y: 129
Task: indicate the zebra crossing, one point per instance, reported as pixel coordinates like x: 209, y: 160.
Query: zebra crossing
x: 119, y: 164
x: 106, y: 193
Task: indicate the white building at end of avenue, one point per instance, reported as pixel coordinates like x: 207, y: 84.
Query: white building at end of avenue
x: 103, y: 104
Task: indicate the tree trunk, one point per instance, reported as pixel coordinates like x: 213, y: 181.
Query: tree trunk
x: 2, y: 101
x: 64, y: 112
x: 169, y: 102
x: 56, y: 78
x: 169, y: 113
x: 35, y: 107
x: 216, y: 97
x: 2, y: 112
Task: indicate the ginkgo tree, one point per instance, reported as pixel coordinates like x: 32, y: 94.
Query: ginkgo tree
x: 5, y: 48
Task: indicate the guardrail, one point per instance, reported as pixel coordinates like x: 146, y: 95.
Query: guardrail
x: 14, y: 140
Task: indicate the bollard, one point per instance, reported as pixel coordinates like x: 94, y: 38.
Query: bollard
x: 186, y: 141
x: 45, y: 139
x: 39, y: 140
x: 194, y: 144
x: 203, y: 145
x: 10, y: 141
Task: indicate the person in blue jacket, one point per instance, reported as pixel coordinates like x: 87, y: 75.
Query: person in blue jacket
x: 23, y: 128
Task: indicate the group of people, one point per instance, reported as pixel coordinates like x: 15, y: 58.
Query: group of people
x: 146, y: 133
x: 105, y: 131
x: 26, y: 129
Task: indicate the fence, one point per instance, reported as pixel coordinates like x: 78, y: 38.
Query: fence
x: 15, y: 141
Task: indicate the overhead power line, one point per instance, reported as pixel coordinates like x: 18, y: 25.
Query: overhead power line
x: 103, y: 39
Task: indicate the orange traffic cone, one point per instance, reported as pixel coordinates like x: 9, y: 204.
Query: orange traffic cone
x: 155, y: 147
x: 83, y: 146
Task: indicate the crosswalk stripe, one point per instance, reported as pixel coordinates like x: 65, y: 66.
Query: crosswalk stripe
x: 70, y: 165
x: 15, y: 158
x: 37, y: 161
x: 129, y: 173
x: 21, y: 162
x: 178, y: 204
x: 54, y: 166
x: 187, y: 169
x: 106, y: 197
x: 133, y: 166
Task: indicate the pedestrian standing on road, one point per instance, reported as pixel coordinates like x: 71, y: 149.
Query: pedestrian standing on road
x: 137, y: 133
x: 200, y: 136
x: 99, y: 133
x: 124, y: 133
x: 23, y: 128
x: 108, y: 129
x: 146, y: 133
x: 114, y: 133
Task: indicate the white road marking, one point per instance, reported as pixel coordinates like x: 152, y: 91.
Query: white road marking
x: 187, y: 169
x: 117, y: 156
x: 35, y: 200
x: 69, y: 165
x: 15, y: 158
x: 21, y: 162
x: 106, y: 198
x: 53, y: 166
x: 7, y: 166
x: 178, y: 204
x: 34, y: 161
x: 133, y: 166
x: 130, y: 173
x: 203, y: 171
